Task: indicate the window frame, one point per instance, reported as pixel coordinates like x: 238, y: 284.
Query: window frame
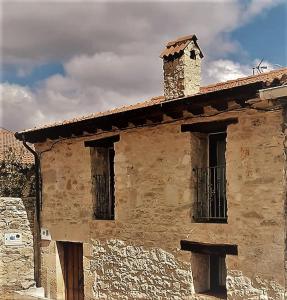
x: 106, y: 181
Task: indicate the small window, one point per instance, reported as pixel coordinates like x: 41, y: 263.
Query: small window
x: 103, y: 177
x: 209, y: 274
x: 192, y: 54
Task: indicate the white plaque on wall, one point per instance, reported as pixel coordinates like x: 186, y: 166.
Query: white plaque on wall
x: 45, y: 234
x: 13, y: 239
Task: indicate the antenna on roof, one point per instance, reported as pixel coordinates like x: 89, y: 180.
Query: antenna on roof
x: 259, y: 68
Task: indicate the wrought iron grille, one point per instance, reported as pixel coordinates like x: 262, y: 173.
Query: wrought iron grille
x: 211, y: 205
x: 103, y: 199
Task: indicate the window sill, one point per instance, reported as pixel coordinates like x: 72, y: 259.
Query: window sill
x: 210, y: 220
x: 211, y: 296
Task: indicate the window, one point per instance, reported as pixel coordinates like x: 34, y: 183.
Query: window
x: 211, y: 204
x: 209, y: 266
x: 210, y: 178
x: 209, y: 274
x: 103, y: 177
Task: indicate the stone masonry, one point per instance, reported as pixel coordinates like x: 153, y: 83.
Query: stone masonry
x: 137, y: 255
x: 182, y: 74
x: 17, y: 261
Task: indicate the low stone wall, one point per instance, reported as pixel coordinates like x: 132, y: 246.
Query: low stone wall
x: 16, y: 261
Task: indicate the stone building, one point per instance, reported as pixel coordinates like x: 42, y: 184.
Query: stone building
x: 182, y: 196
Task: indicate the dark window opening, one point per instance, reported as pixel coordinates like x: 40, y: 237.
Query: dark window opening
x: 209, y: 274
x: 103, y: 177
x: 217, y: 275
x: 211, y: 204
x: 208, y: 262
x: 192, y: 54
x: 103, y: 184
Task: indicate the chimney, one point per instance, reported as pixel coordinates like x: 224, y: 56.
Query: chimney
x: 181, y: 67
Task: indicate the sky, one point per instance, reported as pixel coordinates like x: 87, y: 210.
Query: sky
x: 61, y: 59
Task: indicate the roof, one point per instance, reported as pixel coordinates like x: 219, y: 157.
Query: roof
x: 214, y: 92
x: 177, y: 46
x: 8, y: 142
x: 266, y: 77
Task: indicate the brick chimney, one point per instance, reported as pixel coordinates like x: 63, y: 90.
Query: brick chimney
x: 181, y: 67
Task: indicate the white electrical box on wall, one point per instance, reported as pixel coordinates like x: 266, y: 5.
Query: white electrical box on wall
x: 45, y: 234
x: 13, y: 239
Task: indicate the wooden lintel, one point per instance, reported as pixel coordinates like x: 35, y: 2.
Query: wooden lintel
x: 209, y: 249
x: 209, y: 127
x: 103, y: 142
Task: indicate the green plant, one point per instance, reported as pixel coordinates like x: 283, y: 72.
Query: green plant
x: 17, y: 179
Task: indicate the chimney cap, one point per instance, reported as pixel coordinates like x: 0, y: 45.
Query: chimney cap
x: 178, y: 45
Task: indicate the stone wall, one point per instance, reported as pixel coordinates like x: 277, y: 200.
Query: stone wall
x: 154, y: 193
x: 182, y: 74
x: 16, y: 262
x: 145, y: 272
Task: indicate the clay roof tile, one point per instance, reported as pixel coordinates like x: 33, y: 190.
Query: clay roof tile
x: 264, y: 77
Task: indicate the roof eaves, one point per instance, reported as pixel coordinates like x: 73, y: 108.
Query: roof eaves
x: 40, y: 134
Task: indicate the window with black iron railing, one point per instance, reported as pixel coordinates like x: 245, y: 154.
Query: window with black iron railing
x: 211, y: 204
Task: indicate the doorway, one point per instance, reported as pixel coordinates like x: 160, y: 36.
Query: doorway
x: 73, y: 271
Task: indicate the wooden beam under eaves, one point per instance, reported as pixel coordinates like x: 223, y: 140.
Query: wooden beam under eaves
x: 195, y: 110
x: 209, y: 249
x: 219, y: 106
x: 209, y: 126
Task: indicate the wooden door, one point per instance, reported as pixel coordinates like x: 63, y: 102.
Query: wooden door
x: 73, y: 268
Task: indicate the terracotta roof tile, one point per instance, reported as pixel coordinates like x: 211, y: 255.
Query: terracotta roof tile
x: 181, y: 39
x: 265, y: 77
x: 178, y: 45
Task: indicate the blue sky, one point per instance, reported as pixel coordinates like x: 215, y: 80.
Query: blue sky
x: 60, y: 60
x: 265, y: 36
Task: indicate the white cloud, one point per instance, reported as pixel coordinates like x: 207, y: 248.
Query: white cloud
x: 255, y: 7
x: 37, y: 32
x: 224, y: 69
x: 18, y: 106
x: 110, y: 51
x: 79, y: 93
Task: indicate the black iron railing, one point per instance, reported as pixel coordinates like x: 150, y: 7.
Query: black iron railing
x: 104, y: 198
x: 211, y: 205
